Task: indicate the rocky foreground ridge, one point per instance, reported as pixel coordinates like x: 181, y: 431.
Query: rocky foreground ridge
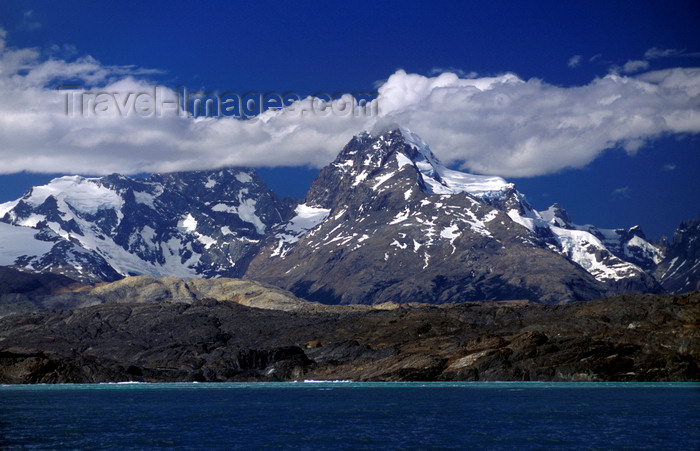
x: 218, y: 338
x: 22, y: 292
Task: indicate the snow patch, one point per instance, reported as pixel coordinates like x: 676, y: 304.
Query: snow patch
x: 148, y: 234
x: 416, y: 246
x: 307, y: 217
x: 246, y: 211
x: 7, y: 206
x: 144, y: 198
x: 451, y: 232
x: 207, y: 241
x: 381, y: 179
x: 32, y: 220
x: 188, y: 223
x: 360, y: 178
x: 402, y: 160
x: 402, y: 216
x: 244, y: 177
x: 399, y: 245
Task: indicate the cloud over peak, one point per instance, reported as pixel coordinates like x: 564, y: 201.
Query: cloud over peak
x: 513, y: 127
x: 501, y: 125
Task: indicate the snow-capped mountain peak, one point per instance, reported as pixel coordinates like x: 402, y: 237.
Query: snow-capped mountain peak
x: 387, y: 206
x: 441, y: 180
x: 373, y: 160
x: 199, y: 223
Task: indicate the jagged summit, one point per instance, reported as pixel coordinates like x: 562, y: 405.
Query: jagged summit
x: 380, y: 161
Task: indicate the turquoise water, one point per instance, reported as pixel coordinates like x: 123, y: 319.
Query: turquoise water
x: 340, y: 415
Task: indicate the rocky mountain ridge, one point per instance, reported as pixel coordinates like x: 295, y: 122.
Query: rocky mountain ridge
x: 392, y: 223
x: 189, y: 224
x: 386, y: 221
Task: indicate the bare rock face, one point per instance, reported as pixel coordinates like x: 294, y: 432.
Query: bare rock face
x: 144, y: 289
x: 624, y: 338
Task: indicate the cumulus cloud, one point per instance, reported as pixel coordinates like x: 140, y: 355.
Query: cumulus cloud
x: 512, y: 127
x: 500, y: 125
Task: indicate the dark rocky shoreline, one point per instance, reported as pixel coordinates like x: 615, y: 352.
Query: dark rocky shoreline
x: 624, y: 338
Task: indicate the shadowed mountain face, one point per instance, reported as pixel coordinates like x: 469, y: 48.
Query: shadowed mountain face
x: 679, y: 272
x: 386, y: 221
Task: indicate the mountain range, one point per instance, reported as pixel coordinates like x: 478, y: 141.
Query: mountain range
x: 386, y: 221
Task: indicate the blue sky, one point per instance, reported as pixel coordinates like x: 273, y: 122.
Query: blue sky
x: 595, y: 106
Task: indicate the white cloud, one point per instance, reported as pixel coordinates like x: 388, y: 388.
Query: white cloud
x: 635, y: 66
x: 495, y: 125
x: 574, y: 61
x: 668, y: 167
x: 512, y: 127
x: 655, y: 52
x: 37, y: 135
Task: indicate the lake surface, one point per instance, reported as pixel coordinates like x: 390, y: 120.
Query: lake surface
x: 343, y: 415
